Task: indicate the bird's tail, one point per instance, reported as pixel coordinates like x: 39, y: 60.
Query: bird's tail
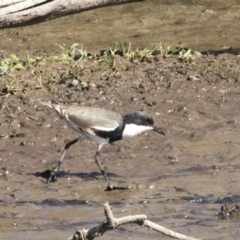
x: 49, y: 104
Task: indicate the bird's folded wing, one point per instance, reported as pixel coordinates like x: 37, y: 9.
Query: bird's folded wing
x: 99, y: 119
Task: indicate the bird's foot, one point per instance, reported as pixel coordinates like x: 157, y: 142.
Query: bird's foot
x: 104, y: 174
x: 52, y: 177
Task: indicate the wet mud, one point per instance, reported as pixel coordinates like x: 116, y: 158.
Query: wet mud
x: 180, y: 180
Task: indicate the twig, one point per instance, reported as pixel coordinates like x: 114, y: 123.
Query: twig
x: 166, y: 231
x: 21, y: 12
x: 111, y: 223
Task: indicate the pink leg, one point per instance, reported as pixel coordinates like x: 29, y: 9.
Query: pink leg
x: 98, y: 162
x: 52, y: 177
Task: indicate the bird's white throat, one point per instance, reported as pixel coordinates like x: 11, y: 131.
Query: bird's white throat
x: 132, y: 130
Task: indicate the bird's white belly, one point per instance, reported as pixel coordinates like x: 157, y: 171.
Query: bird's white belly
x: 131, y: 130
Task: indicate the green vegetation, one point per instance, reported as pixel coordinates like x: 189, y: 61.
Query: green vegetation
x: 72, y: 60
x: 10, y: 63
x: 8, y: 87
x: 185, y: 55
x: 75, y: 55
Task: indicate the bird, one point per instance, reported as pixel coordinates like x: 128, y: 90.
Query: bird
x: 100, y: 126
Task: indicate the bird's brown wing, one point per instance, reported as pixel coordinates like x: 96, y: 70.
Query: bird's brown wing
x: 99, y: 119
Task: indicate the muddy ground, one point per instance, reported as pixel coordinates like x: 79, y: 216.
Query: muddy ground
x: 179, y: 180
x: 182, y: 178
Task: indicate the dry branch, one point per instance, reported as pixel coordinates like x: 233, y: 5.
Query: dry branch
x: 19, y: 12
x: 5, y: 3
x: 111, y: 223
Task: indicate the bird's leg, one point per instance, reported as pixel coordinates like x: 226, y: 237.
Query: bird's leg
x: 98, y: 162
x: 52, y: 177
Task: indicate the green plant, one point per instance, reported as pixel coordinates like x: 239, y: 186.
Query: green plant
x: 39, y: 83
x: 51, y: 79
x: 84, y: 84
x: 165, y: 51
x: 145, y: 53
x: 65, y: 55
x: 109, y: 58
x: 79, y: 53
x: 185, y: 55
x: 8, y: 87
x: 126, y: 50
x: 70, y: 53
x: 33, y: 62
x: 10, y: 63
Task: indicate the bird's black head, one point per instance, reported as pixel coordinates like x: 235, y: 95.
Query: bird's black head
x: 139, y: 118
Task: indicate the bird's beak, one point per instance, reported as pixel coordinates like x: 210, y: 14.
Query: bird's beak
x: 158, y: 130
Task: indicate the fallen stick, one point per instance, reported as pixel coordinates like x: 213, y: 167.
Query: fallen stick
x: 23, y: 12
x: 112, y: 223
